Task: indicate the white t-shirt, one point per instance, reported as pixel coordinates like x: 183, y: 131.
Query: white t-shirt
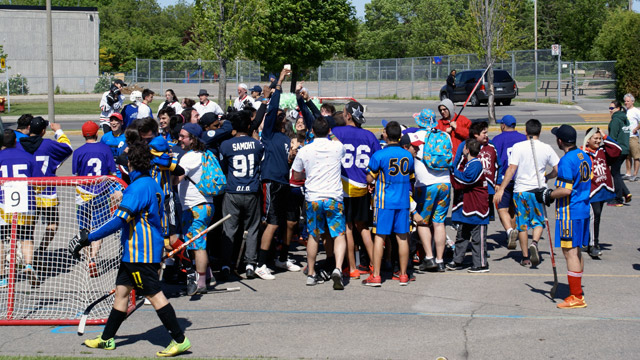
x: 144, y: 111
x: 322, y: 161
x: 424, y: 175
x: 175, y: 105
x: 633, y: 115
x: 209, y: 106
x: 190, y: 196
x: 522, y: 156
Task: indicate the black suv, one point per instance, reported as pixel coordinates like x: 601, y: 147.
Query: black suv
x: 505, y: 88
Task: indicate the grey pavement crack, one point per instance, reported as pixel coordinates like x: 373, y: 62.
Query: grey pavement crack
x: 465, y: 327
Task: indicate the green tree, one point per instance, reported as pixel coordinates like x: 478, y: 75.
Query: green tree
x: 618, y: 40
x: 303, y: 33
x: 222, y: 28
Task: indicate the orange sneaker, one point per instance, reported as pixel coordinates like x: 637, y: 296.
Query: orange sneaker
x: 573, y: 302
x: 404, y: 280
x: 364, y: 270
x: 355, y: 274
x: 93, y: 270
x: 375, y: 281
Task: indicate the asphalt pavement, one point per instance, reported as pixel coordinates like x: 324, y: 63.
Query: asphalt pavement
x: 504, y: 314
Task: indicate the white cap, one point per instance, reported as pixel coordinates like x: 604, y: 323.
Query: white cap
x: 244, y: 86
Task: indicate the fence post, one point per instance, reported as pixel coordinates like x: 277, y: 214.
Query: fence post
x: 396, y: 77
x: 162, y: 76
x: 319, y: 79
x: 559, y: 76
x: 149, y: 75
x: 448, y: 64
x: 468, y: 62
x: 513, y: 65
x: 379, y: 74
x: 136, y: 77
x: 412, y: 59
x: 574, y: 81
x: 366, y: 78
x: 535, y: 65
x: 347, y: 87
x: 429, y: 81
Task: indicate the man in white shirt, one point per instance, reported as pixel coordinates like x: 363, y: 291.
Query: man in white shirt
x: 243, y: 99
x: 144, y: 110
x: 321, y: 162
x: 633, y: 115
x: 529, y: 212
x: 205, y: 105
x: 197, y: 209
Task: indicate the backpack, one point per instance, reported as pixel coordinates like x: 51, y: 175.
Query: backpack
x: 437, y: 153
x: 212, y: 181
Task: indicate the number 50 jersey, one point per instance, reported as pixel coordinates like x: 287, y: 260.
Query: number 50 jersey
x: 240, y: 161
x: 359, y: 145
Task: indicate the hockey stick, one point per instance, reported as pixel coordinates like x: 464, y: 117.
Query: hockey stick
x: 546, y: 222
x: 85, y: 314
x: 472, y: 92
x: 201, y: 234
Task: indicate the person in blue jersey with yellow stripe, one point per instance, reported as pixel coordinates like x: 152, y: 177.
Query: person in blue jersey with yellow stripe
x: 138, y: 217
x: 391, y: 169
x: 573, y: 187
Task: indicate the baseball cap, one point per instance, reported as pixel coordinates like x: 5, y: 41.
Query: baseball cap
x: 415, y: 139
x: 256, y: 88
x: 38, y: 124
x: 508, y: 120
x: 357, y: 111
x: 90, y: 128
x: 244, y: 86
x: 116, y: 115
x: 426, y: 118
x: 120, y: 82
x: 208, y: 119
x: 405, y: 140
x: 193, y: 129
x: 565, y: 133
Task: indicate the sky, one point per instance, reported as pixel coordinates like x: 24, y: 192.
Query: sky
x: 359, y: 4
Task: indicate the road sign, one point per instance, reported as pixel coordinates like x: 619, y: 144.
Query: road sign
x: 555, y: 50
x: 3, y: 64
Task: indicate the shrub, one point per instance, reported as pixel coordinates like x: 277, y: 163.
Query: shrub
x: 103, y: 84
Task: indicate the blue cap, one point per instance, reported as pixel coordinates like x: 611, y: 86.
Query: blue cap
x: 256, y: 88
x: 193, y: 129
x: 565, y: 133
x: 508, y: 120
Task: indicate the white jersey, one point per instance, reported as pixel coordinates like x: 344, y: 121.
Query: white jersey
x: 322, y: 162
x: 527, y: 175
x: 144, y: 111
x: 108, y: 110
x: 239, y: 103
x: 208, y: 107
x: 175, y: 105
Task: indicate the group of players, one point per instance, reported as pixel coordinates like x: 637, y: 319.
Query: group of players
x: 353, y: 190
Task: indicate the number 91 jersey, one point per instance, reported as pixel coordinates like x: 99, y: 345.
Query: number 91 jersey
x: 359, y: 145
x: 240, y: 161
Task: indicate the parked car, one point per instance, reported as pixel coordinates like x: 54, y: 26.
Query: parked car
x: 505, y: 88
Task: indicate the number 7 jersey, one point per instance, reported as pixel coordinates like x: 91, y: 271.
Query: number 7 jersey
x: 359, y: 145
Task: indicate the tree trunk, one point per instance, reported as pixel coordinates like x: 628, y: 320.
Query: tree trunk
x: 491, y: 97
x: 222, y: 84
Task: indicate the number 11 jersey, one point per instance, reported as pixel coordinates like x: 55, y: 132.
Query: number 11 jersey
x: 240, y: 161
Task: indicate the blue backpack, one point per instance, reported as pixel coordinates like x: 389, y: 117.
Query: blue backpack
x: 437, y: 152
x: 212, y: 181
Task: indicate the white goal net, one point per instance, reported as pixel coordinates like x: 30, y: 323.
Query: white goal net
x: 40, y: 282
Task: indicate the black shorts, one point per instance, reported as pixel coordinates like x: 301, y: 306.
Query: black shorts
x: 357, y: 209
x: 295, y: 203
x: 275, y: 196
x: 507, y: 198
x: 143, y: 277
x: 48, y: 215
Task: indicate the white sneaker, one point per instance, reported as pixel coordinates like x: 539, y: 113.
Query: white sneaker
x: 264, y: 273
x: 288, y: 265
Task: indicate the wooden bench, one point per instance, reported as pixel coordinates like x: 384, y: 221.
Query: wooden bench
x: 582, y: 87
x: 580, y: 72
x: 553, y: 85
x: 601, y: 74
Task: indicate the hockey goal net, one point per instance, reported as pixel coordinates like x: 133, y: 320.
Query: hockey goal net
x: 40, y: 282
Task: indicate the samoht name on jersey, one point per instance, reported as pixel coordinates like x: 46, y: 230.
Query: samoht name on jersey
x: 249, y: 145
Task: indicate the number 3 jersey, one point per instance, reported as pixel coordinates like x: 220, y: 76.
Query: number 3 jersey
x: 92, y: 159
x: 359, y: 145
x: 240, y: 160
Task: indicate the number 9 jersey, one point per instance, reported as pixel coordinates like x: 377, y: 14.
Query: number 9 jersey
x: 574, y: 173
x: 359, y: 145
x: 393, y: 169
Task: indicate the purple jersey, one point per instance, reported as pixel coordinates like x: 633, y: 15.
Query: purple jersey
x: 359, y: 145
x: 92, y: 159
x: 19, y: 164
x: 503, y: 143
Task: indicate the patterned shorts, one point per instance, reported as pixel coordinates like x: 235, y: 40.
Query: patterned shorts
x: 194, y: 221
x: 529, y: 212
x: 433, y: 202
x: 323, y: 212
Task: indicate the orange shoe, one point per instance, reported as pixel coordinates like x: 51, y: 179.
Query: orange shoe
x: 364, y: 270
x: 573, y: 302
x: 355, y: 274
x: 375, y: 281
x: 93, y: 270
x: 404, y: 280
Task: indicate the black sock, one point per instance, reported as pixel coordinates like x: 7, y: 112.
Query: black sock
x: 168, y: 317
x: 262, y: 257
x: 113, y: 323
x: 284, y: 253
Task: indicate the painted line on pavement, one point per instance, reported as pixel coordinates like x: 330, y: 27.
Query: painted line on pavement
x: 540, y: 275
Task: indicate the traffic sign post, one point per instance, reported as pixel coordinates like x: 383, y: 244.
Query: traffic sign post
x: 556, y: 51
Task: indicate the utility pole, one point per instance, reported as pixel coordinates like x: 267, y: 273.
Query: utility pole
x: 51, y: 109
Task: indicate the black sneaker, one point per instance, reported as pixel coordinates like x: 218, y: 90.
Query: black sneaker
x: 453, y: 266
x: 192, y: 283
x: 478, y: 270
x: 594, y: 252
x: 533, y: 254
x: 428, y: 265
x: 323, y: 275
x: 441, y: 267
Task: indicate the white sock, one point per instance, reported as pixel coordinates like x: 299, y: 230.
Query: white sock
x: 428, y: 258
x: 509, y: 230
x: 439, y: 261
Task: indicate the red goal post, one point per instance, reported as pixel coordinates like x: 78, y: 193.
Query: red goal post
x: 40, y: 282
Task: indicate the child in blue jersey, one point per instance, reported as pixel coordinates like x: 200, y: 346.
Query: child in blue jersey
x: 92, y: 159
x: 18, y: 164
x: 573, y: 187
x: 241, y: 158
x: 471, y: 209
x: 49, y: 155
x: 115, y: 138
x: 391, y: 169
x: 138, y: 217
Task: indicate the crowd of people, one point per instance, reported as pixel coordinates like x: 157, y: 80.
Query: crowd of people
x: 316, y: 176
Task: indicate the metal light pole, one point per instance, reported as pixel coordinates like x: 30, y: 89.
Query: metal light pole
x: 535, y: 40
x: 51, y: 109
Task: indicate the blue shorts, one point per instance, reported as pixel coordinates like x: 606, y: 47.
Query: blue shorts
x: 325, y: 211
x: 572, y: 233
x: 529, y: 212
x: 387, y: 221
x: 433, y: 202
x: 194, y: 221
x: 507, y: 197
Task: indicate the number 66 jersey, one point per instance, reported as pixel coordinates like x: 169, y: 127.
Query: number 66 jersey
x: 359, y: 145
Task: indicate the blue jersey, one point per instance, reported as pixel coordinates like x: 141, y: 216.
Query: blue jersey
x: 275, y: 166
x: 503, y: 143
x: 17, y: 163
x: 393, y: 169
x: 129, y: 114
x: 574, y: 173
x: 116, y: 144
x: 142, y: 208
x: 240, y: 161
x: 359, y: 145
x: 163, y: 163
x: 92, y: 159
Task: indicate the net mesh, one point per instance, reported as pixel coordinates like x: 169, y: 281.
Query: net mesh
x: 43, y: 281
